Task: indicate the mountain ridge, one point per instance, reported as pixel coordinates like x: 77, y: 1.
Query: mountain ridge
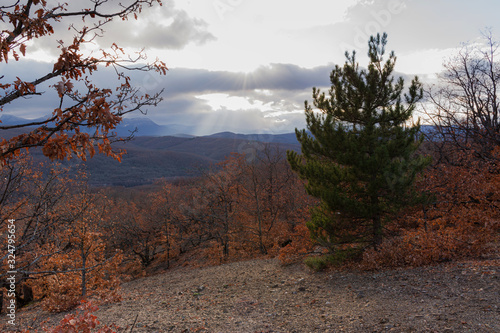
x: 149, y: 159
x: 153, y: 157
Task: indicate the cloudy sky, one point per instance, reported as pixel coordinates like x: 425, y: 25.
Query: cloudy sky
x: 248, y: 65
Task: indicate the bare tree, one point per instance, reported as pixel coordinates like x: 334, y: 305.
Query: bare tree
x: 219, y: 194
x: 267, y: 183
x: 465, y: 107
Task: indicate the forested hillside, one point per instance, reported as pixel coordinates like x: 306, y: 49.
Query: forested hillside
x: 149, y: 159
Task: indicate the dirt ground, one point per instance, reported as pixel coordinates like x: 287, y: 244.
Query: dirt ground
x: 264, y: 296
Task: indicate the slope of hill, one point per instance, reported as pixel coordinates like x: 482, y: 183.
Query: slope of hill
x: 264, y: 296
x: 151, y: 155
x: 151, y: 158
x: 139, y: 126
x: 287, y: 138
x: 146, y: 127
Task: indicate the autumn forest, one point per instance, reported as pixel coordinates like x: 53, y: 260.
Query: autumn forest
x: 369, y: 190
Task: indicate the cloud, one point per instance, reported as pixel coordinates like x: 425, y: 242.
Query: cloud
x: 267, y: 100
x: 415, y: 25
x: 160, y: 27
x: 272, y: 77
x: 412, y: 26
x: 270, y: 94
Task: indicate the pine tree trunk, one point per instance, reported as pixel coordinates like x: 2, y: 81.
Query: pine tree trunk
x: 377, y: 231
x: 377, y: 222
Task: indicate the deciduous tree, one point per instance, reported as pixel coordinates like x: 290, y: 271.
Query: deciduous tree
x: 31, y: 194
x: 84, y: 114
x: 267, y: 187
x: 219, y: 194
x: 134, y: 228
x: 165, y: 210
x: 465, y: 105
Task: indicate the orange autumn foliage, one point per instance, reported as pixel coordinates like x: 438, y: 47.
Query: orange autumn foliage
x: 81, y: 121
x: 83, y: 321
x: 463, y: 221
x: 250, y: 207
x: 80, y: 264
x: 300, y: 245
x: 61, y: 254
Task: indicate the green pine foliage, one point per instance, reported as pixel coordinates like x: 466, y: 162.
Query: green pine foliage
x: 360, y: 156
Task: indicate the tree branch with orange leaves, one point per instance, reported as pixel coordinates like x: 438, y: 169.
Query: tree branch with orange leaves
x: 84, y: 117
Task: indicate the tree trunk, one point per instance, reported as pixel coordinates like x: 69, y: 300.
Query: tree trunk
x: 377, y: 231
x: 84, y: 276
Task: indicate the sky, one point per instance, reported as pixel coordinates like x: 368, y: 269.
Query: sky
x: 247, y: 66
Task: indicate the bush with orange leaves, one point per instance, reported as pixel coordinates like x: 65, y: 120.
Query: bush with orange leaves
x: 84, y: 321
x: 299, y: 245
x: 462, y: 222
x: 80, y: 264
x: 72, y: 281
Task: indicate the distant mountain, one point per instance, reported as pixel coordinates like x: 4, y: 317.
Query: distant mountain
x: 139, y: 126
x: 151, y: 155
x: 146, y: 127
x: 143, y: 126
x: 288, y: 138
x: 9, y: 120
x: 151, y: 158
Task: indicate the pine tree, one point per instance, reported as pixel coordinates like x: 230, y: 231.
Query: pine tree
x: 359, y: 157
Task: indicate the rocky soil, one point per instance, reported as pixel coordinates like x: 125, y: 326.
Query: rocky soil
x: 264, y: 296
